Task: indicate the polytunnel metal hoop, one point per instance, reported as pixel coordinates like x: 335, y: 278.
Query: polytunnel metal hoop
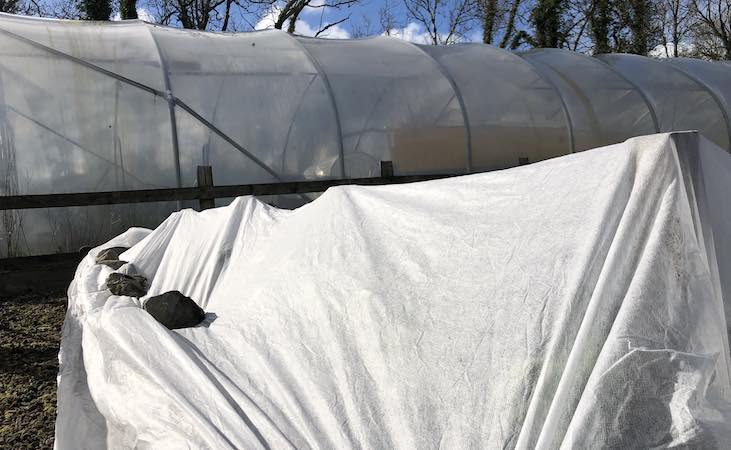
x: 457, y: 93
x: 331, y: 95
x: 713, y: 95
x: 645, y: 98
x: 226, y: 138
x: 81, y: 62
x: 149, y: 89
x: 567, y: 115
x: 171, y: 104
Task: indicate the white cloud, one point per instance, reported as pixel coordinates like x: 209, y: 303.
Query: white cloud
x: 416, y: 33
x: 336, y: 32
x: 145, y: 15
x: 684, y: 48
x: 301, y: 27
x: 413, y: 32
x: 267, y: 20
x: 142, y: 14
x: 314, y: 7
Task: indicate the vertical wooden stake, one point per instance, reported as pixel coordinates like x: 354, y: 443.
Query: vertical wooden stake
x: 205, y: 179
x: 386, y: 169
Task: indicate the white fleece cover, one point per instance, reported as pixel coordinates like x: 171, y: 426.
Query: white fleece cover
x: 573, y: 303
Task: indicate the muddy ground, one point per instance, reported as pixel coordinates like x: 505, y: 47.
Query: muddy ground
x: 30, y: 333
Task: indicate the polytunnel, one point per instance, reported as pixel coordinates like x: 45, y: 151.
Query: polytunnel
x: 88, y: 106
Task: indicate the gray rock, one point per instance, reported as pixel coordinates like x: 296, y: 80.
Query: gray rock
x: 128, y: 269
x: 110, y: 254
x: 110, y: 257
x: 131, y: 285
x: 113, y: 263
x: 174, y: 310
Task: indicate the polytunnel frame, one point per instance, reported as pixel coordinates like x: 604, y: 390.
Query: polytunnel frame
x: 171, y: 104
x: 716, y: 98
x: 567, y: 114
x: 169, y: 96
x: 328, y: 88
x: 174, y: 101
x: 683, y: 73
x: 458, y: 94
x: 437, y: 65
x: 635, y: 87
x: 552, y: 85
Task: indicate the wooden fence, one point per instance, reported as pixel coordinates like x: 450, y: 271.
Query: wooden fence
x: 205, y: 193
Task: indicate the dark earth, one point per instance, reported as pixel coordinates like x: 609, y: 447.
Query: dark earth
x: 30, y: 333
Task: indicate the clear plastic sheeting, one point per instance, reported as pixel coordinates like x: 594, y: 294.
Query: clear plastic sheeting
x: 573, y: 303
x: 90, y: 106
x: 260, y: 90
x: 394, y: 104
x: 125, y: 48
x: 512, y: 111
x: 713, y: 76
x: 679, y: 102
x: 604, y: 107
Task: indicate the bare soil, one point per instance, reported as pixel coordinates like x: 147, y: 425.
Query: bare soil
x: 30, y: 334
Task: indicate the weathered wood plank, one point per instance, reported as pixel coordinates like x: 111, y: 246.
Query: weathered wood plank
x: 195, y: 193
x: 205, y: 179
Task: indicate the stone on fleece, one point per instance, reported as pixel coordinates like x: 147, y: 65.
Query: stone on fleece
x: 128, y: 269
x: 110, y: 254
x: 110, y: 257
x: 174, y: 310
x: 113, y: 263
x: 130, y: 285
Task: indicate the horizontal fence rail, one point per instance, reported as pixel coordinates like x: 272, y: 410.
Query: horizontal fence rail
x: 205, y: 193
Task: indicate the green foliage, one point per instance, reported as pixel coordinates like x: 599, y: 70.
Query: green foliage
x: 601, y: 22
x: 128, y: 9
x: 9, y: 6
x: 96, y: 9
x: 547, y: 19
x: 627, y: 26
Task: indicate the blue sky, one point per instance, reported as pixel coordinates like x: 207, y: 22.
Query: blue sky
x: 364, y: 19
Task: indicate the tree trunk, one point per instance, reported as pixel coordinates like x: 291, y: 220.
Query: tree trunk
x: 600, y: 21
x: 547, y: 17
x: 128, y: 9
x: 488, y: 20
x: 97, y: 9
x: 511, y: 24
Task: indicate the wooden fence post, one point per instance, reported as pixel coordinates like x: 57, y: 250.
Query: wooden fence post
x: 205, y: 179
x: 386, y: 169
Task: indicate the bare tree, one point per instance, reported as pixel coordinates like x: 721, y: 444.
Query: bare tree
x: 499, y: 19
x: 713, y: 27
x: 362, y: 28
x: 445, y: 21
x: 387, y: 18
x: 191, y: 14
x: 286, y: 15
x: 198, y: 14
x: 675, y: 20
x: 387, y: 24
x: 490, y: 14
